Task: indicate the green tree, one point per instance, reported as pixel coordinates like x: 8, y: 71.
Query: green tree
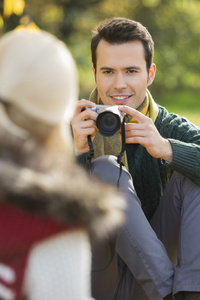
x: 174, y: 25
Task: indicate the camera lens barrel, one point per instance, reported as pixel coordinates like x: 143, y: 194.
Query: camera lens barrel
x: 109, y: 121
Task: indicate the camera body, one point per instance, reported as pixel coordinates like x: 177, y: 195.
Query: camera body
x: 109, y: 119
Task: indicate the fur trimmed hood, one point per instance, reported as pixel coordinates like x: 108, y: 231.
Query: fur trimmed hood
x: 38, y: 182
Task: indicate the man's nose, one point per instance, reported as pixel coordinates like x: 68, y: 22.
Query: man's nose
x: 120, y: 81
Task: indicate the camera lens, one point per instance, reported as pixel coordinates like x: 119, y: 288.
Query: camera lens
x: 108, y: 123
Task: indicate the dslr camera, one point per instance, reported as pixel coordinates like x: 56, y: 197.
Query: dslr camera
x: 109, y: 119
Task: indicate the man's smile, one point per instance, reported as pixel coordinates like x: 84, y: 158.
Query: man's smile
x: 120, y: 99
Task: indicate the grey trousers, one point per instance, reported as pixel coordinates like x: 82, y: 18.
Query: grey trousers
x: 149, y: 260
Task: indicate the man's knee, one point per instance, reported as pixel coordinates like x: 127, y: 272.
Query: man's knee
x: 107, y: 168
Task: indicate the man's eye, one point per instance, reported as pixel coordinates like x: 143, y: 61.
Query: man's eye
x: 107, y: 72
x: 131, y: 71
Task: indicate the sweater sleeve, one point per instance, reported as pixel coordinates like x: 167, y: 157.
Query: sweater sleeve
x: 186, y: 159
x: 57, y: 265
x: 82, y: 159
x: 185, y: 141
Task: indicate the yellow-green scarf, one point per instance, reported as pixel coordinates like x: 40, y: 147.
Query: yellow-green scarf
x: 112, y: 145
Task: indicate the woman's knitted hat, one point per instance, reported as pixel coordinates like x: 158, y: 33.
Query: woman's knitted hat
x: 38, y: 75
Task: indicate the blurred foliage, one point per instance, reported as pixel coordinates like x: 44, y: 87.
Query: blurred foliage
x: 13, y: 7
x: 174, y: 25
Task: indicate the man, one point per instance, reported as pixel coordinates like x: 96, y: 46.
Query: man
x: 157, y: 253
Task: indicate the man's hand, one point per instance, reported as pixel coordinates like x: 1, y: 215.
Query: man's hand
x: 145, y: 133
x: 83, y: 124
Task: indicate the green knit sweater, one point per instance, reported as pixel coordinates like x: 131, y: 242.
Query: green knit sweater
x: 150, y: 175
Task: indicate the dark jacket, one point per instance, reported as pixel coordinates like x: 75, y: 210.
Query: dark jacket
x: 150, y: 175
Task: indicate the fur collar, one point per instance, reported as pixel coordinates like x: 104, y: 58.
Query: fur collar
x: 36, y: 181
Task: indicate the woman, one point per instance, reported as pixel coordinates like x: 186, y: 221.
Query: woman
x: 49, y: 207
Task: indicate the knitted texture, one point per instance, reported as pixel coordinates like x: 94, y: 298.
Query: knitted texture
x: 150, y: 175
x: 68, y: 257
x: 112, y: 145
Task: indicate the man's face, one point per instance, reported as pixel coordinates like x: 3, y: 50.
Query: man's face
x: 121, y: 74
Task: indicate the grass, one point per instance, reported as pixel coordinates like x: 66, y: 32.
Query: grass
x: 184, y: 104
x: 193, y: 116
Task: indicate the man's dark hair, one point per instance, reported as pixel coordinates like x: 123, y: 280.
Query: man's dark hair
x: 119, y: 31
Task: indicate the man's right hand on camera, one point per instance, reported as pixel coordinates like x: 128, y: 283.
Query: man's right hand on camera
x: 83, y: 124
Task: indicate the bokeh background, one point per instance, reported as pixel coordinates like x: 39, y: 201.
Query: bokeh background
x: 174, y: 25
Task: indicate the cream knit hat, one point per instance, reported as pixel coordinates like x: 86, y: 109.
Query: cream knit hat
x: 38, y: 75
